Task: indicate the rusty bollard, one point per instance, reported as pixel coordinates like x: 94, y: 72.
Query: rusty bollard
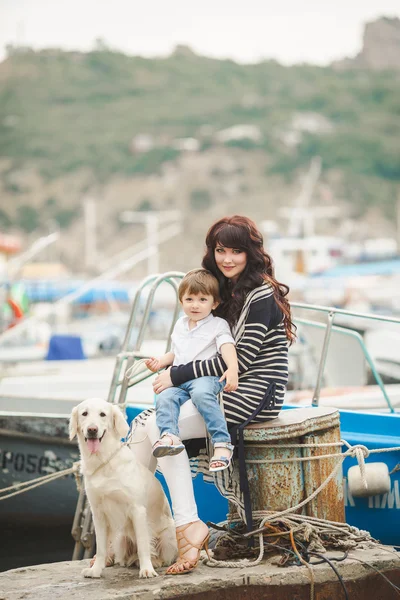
x: 279, y: 486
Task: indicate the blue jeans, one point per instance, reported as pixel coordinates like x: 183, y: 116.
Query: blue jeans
x: 203, y: 392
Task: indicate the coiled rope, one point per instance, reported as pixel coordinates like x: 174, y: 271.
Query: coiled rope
x: 359, y: 451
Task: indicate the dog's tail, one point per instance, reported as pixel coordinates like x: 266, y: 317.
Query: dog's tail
x: 167, y: 548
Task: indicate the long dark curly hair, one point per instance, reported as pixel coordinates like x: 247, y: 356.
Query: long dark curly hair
x: 241, y: 233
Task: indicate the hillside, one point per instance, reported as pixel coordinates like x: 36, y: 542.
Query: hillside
x: 159, y: 133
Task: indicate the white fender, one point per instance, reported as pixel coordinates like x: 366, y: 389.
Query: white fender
x: 377, y: 478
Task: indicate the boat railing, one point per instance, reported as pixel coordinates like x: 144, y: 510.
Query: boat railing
x: 330, y: 313
x: 130, y: 352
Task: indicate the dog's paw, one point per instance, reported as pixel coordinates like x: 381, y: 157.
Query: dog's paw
x: 92, y: 572
x: 146, y: 573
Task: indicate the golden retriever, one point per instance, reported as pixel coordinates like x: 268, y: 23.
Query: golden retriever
x: 130, y: 510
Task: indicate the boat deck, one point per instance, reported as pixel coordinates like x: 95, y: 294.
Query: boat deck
x: 265, y: 581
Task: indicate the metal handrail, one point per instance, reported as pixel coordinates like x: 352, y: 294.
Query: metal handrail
x: 126, y: 355
x: 331, y: 314
x: 347, y: 313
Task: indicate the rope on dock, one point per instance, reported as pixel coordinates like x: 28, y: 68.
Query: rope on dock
x: 298, y: 537
x: 26, y: 486
x: 359, y: 451
x: 317, y: 534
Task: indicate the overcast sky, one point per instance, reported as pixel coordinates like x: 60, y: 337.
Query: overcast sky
x: 290, y: 31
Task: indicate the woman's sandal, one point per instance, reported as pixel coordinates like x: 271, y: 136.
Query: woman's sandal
x: 184, y: 545
x: 161, y: 448
x: 225, y: 460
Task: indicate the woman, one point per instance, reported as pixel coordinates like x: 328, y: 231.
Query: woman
x: 256, y: 307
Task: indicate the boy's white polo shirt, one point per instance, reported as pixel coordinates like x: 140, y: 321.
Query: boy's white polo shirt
x: 200, y: 343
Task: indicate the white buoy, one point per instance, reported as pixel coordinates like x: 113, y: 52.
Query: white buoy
x: 377, y: 478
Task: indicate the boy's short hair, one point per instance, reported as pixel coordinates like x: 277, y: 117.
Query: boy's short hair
x: 199, y: 281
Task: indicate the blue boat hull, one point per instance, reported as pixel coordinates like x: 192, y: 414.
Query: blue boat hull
x: 380, y: 515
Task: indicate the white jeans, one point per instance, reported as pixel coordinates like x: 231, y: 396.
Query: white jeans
x: 176, y: 469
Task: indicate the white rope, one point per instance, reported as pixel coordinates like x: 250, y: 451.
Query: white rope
x: 34, y: 483
x: 135, y: 368
x: 129, y: 439
x: 315, y: 493
x: 27, y: 486
x: 243, y: 562
x: 312, y: 529
x: 313, y: 445
x: 343, y: 528
x: 358, y: 451
x: 264, y: 461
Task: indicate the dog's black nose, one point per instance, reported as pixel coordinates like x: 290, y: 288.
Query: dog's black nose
x: 92, y: 432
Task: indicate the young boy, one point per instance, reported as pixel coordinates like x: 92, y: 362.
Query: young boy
x: 197, y: 336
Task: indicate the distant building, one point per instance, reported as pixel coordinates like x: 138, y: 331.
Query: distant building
x: 305, y: 122
x: 186, y: 144
x: 143, y: 142
x: 44, y: 270
x: 311, y: 122
x: 239, y: 132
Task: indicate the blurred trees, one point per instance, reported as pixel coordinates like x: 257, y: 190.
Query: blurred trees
x: 64, y: 111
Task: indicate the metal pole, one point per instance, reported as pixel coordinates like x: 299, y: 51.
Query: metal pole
x: 153, y: 263
x: 398, y: 221
x: 324, y: 353
x: 89, y: 207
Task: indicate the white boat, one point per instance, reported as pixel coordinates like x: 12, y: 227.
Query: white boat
x: 367, y: 398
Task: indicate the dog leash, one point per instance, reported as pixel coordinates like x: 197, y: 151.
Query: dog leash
x: 127, y: 444
x: 108, y: 460
x: 132, y: 429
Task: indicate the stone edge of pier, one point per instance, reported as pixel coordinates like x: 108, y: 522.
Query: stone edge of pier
x: 64, y: 580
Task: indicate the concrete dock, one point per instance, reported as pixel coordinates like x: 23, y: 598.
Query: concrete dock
x: 266, y: 581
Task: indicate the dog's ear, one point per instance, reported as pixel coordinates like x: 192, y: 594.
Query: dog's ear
x: 73, y: 423
x: 119, y: 422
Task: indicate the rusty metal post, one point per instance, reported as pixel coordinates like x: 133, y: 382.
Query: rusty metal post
x: 274, y: 486
x: 329, y: 503
x: 281, y: 485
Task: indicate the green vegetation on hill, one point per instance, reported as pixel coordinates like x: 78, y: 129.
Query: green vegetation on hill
x: 63, y: 111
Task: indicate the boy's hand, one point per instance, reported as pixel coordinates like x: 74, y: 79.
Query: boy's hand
x: 153, y: 364
x: 232, y: 381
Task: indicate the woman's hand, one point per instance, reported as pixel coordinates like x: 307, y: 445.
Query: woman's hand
x: 232, y: 381
x: 162, y: 382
